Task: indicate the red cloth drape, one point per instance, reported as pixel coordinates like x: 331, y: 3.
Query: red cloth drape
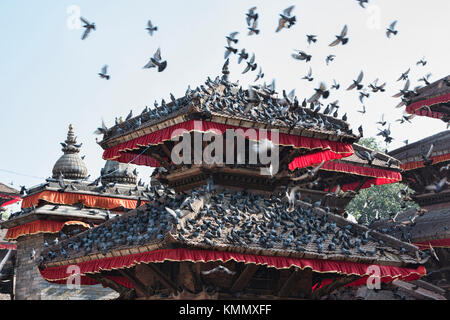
x: 8, y: 199
x: 370, y: 182
x: 438, y: 243
x: 413, y: 108
x: 40, y: 226
x: 419, y: 164
x: 327, y: 150
x: 362, y: 171
x: 388, y: 273
x: 7, y: 246
x: 90, y: 201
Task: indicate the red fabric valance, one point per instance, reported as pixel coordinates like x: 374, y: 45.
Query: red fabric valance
x: 7, y: 246
x: 369, y: 183
x: 419, y: 164
x: 438, y: 243
x: 40, y: 226
x: 90, y: 201
x: 327, y: 150
x: 414, y: 107
x: 6, y: 200
x: 59, y: 274
x: 362, y: 171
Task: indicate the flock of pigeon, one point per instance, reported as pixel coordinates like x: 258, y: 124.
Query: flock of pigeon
x: 236, y: 218
x: 286, y: 20
x: 154, y: 62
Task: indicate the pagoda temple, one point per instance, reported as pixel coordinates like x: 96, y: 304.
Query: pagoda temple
x: 64, y: 205
x: 237, y: 229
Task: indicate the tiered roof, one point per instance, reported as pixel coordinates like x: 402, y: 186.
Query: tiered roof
x: 432, y: 101
x: 69, y: 199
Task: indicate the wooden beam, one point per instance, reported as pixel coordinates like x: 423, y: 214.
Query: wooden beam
x: 361, y: 185
x: 244, y: 277
x: 169, y: 284
x: 139, y: 286
x: 124, y: 293
x: 305, y: 283
x: 293, y: 280
x: 333, y: 286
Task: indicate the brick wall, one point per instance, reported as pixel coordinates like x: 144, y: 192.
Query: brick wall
x: 30, y: 285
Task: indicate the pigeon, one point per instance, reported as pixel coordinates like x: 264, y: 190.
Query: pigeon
x: 88, y: 26
x: 310, y: 173
x: 260, y: 75
x: 357, y: 83
x: 243, y: 55
x: 329, y: 58
x: 375, y: 87
x: 391, y: 29
x: 218, y: 269
x: 229, y: 50
x: 363, y: 94
x: 362, y: 3
x: 422, y: 61
x: 101, y: 130
x: 438, y: 186
x: 286, y: 20
x: 253, y: 29
x: 150, y: 28
x: 404, y: 75
x: 291, y: 196
x: 382, y: 122
x: 320, y: 92
x: 309, y: 75
x: 363, y: 111
x: 251, y: 15
x: 425, y: 79
x: 335, y: 85
x: 301, y: 55
x: 232, y: 38
x: 251, y: 65
x: 311, y: 38
x: 104, y: 73
x: 427, y: 160
x: 32, y: 254
x: 61, y: 183
x: 156, y: 61
x: 23, y: 190
x: 365, y: 155
x: 341, y: 38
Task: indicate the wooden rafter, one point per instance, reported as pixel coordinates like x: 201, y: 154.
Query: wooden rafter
x: 124, y: 293
x: 333, y: 286
x: 298, y: 281
x: 244, y: 277
x: 140, y: 287
x: 169, y: 284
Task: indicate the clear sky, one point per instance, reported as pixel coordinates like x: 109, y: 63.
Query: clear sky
x: 48, y: 75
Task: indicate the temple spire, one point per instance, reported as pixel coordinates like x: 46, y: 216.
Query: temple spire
x: 70, y: 164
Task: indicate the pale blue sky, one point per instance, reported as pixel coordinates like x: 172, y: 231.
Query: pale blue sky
x: 48, y: 76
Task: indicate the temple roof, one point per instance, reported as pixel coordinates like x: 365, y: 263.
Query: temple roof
x: 80, y: 197
x: 224, y: 102
x: 70, y: 165
x: 4, y: 189
x: 432, y: 100
x: 414, y: 151
x: 122, y: 173
x: 237, y: 222
x: 418, y: 226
